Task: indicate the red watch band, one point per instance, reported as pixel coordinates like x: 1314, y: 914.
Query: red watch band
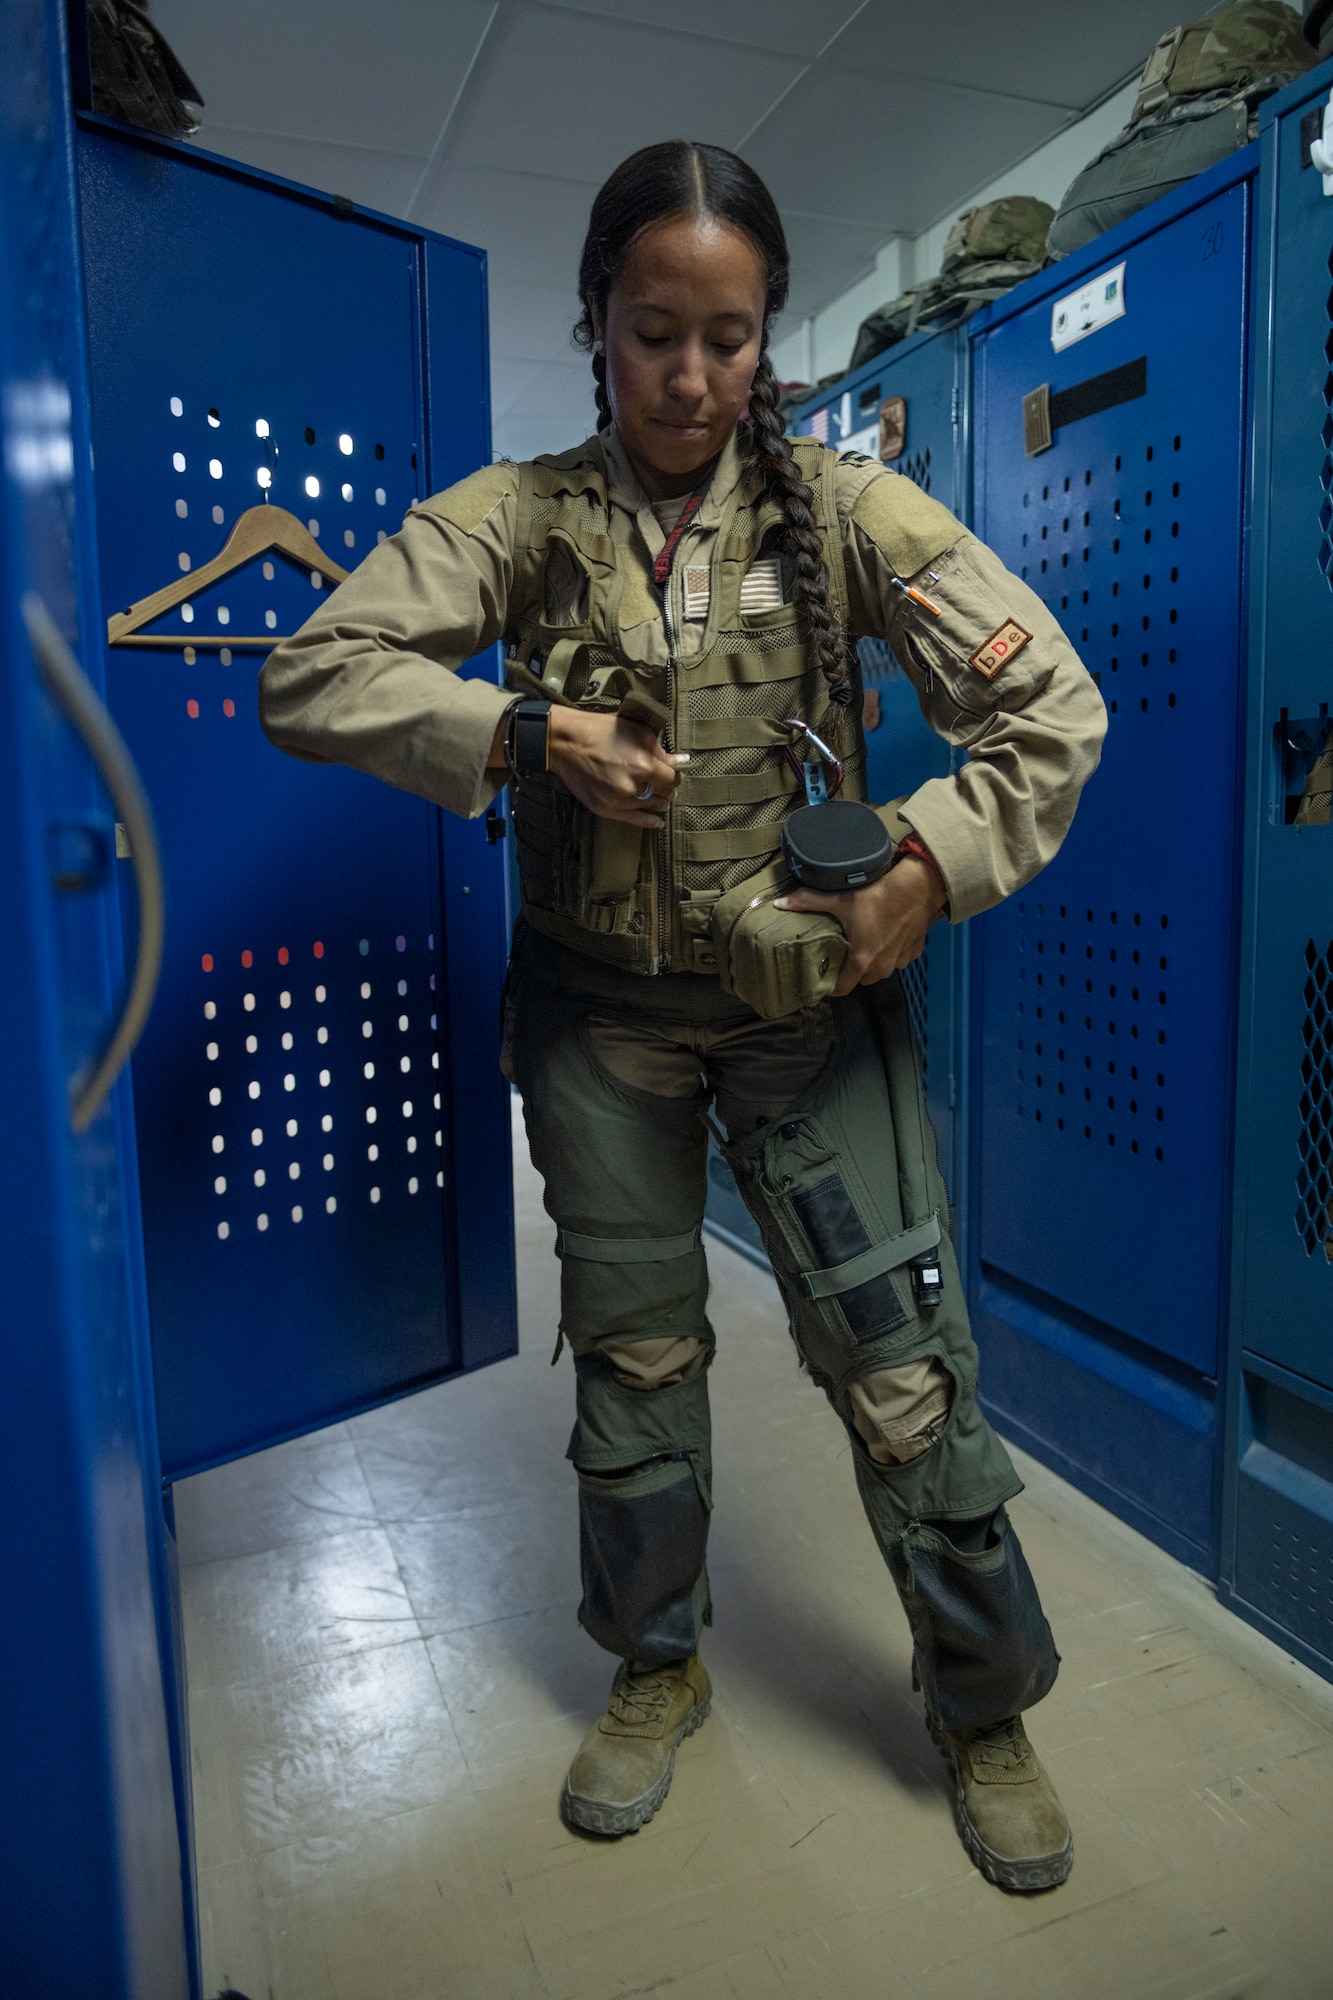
x: 913, y: 844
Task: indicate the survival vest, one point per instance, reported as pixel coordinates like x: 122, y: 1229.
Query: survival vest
x: 638, y: 899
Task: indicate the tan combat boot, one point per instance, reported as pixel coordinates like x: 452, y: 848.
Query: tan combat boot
x: 624, y: 1764
x: 1009, y: 1819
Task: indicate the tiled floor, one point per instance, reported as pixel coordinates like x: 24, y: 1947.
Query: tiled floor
x: 386, y: 1682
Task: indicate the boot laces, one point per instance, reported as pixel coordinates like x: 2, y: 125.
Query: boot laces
x: 1004, y: 1744
x: 641, y: 1694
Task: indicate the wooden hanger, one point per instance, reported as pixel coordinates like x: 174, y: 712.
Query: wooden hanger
x: 256, y: 531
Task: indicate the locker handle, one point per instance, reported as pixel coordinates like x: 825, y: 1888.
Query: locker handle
x: 78, y: 698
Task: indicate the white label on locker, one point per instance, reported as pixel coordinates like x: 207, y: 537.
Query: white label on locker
x: 1094, y: 306
x: 866, y: 440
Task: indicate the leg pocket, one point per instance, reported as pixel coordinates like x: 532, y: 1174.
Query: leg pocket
x: 900, y: 1412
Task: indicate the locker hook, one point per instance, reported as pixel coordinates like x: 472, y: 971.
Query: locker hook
x: 78, y: 698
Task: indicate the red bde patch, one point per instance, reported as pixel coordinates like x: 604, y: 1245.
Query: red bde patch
x: 999, y: 649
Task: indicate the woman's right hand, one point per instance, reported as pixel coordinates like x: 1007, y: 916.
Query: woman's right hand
x: 609, y: 763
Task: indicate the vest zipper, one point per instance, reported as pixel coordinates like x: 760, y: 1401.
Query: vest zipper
x: 663, y: 569
x: 663, y: 836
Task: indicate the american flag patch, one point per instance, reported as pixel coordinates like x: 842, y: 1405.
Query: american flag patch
x: 762, y: 588
x: 696, y: 590
x: 819, y: 425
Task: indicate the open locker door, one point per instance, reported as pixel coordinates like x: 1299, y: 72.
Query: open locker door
x: 323, y: 1131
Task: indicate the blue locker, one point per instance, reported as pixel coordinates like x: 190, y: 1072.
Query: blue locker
x: 93, y: 1896
x: 322, y: 1126
x: 929, y: 372
x: 1104, y: 994
x: 1277, y: 1559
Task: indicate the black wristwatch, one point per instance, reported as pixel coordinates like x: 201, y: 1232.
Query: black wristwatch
x: 526, y: 737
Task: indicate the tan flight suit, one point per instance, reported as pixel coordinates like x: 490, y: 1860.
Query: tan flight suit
x: 821, y: 1111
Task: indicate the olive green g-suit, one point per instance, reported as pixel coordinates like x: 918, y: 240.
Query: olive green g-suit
x: 620, y: 1030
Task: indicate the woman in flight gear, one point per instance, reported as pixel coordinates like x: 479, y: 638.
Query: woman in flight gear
x: 679, y: 598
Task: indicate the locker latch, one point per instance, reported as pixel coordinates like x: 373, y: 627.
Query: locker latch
x: 497, y: 827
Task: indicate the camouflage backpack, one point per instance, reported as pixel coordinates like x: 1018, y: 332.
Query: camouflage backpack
x: 137, y: 75
x: 1198, y: 101
x: 988, y: 251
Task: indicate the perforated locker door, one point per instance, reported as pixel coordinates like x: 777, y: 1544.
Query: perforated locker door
x: 1103, y: 993
x: 1278, y: 1550
x: 322, y: 1128
x: 930, y: 373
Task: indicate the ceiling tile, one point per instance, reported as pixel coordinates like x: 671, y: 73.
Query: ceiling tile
x: 377, y: 180
x: 380, y: 76
x: 1043, y: 50
x: 569, y: 95
x: 902, y: 159
x: 532, y: 226
x: 791, y: 27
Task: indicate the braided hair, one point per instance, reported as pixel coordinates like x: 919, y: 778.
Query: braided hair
x: 682, y: 178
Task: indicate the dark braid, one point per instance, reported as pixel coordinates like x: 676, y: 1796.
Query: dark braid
x: 783, y: 481
x: 680, y: 178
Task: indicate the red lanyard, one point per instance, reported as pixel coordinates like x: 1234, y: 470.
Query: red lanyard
x: 662, y: 567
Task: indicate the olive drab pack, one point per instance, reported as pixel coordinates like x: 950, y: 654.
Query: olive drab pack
x: 647, y: 901
x: 988, y: 251
x: 1197, y: 102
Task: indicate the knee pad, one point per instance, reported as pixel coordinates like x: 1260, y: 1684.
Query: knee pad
x: 617, y: 1427
x: 646, y: 1365
x: 899, y: 1412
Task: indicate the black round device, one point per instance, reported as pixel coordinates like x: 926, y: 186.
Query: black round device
x: 841, y: 845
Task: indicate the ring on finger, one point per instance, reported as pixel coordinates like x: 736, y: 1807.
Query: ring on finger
x: 646, y: 793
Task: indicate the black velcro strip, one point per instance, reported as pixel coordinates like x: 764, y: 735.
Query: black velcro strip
x: 836, y: 1234
x: 1100, y: 392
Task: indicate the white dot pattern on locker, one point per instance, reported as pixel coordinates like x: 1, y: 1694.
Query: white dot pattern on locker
x: 281, y: 1037
x: 223, y: 464
x: 1091, y: 1021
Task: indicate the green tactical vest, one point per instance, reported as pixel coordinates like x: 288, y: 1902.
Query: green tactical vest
x: 642, y: 900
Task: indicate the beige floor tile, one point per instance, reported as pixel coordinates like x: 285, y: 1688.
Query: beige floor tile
x: 293, y: 1493
x: 311, y: 1758
x: 258, y: 1617
x: 417, y: 1910
x: 385, y: 1700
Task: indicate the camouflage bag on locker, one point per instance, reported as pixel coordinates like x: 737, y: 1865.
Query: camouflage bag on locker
x: 1198, y: 102
x: 988, y: 251
x: 137, y: 75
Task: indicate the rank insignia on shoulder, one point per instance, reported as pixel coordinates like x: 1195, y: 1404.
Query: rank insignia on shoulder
x: 856, y: 458
x: 999, y: 649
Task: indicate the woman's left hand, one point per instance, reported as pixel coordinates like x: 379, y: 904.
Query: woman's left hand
x: 886, y: 922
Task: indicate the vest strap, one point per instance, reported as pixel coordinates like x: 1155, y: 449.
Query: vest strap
x: 625, y: 1249
x: 745, y: 789
x: 728, y: 843
x: 737, y: 732
x: 871, y: 1263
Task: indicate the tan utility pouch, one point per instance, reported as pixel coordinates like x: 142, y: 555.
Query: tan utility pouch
x: 779, y: 961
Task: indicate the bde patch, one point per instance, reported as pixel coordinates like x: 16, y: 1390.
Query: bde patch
x: 1000, y: 648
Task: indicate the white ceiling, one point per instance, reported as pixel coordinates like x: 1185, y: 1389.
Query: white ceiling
x: 496, y: 120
